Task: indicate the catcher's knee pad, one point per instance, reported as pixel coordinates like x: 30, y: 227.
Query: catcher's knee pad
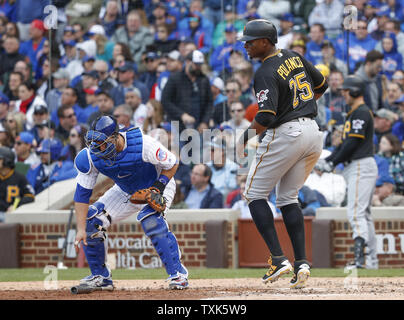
x: 145, y: 212
x: 164, y: 242
x: 97, y: 243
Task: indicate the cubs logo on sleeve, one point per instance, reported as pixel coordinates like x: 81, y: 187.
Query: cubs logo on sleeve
x: 161, y: 155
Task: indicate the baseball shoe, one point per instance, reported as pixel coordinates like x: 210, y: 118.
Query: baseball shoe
x: 179, y: 281
x: 300, y: 276
x: 354, y: 265
x: 103, y: 282
x: 277, y: 269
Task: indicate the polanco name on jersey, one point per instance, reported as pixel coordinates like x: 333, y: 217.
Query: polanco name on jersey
x: 289, y: 65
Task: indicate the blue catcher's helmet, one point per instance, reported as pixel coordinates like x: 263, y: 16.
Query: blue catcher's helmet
x: 103, y: 128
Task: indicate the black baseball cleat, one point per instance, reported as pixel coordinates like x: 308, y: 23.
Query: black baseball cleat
x: 277, y: 269
x: 300, y: 276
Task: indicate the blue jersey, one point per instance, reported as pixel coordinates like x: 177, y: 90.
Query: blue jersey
x: 358, y: 49
x: 313, y: 52
x: 136, y: 167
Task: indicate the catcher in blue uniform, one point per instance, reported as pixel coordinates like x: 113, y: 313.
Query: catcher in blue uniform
x: 143, y: 171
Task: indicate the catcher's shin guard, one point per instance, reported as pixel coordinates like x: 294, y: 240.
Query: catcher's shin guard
x: 95, y: 251
x: 164, y: 242
x: 145, y: 212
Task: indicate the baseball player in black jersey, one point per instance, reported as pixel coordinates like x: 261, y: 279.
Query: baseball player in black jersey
x: 360, y: 170
x: 14, y: 188
x: 286, y: 87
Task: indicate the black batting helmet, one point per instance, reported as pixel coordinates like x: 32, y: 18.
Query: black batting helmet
x: 258, y: 29
x: 355, y: 85
x: 8, y: 157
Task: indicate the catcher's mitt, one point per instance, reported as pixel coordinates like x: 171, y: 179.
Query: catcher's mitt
x: 151, y: 196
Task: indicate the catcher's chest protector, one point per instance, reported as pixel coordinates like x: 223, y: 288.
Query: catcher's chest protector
x: 129, y: 171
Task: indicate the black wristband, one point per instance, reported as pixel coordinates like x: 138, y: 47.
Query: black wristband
x: 159, y: 185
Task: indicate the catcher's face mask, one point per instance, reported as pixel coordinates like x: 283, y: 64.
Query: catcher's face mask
x: 101, y: 145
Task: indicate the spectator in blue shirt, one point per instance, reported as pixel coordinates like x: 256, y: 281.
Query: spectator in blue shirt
x: 31, y: 47
x: 360, y: 43
x: 127, y: 79
x: 398, y: 127
x: 70, y: 53
x: 385, y: 183
x: 224, y: 170
x: 9, y: 10
x: 392, y: 60
x: 50, y: 170
x: 219, y: 60
x: 195, y: 31
x: 69, y: 98
x: 149, y: 78
x: 163, y: 17
x: 313, y: 47
x: 217, y: 88
x: 196, y: 6
x: 202, y: 194
x: 111, y: 19
x: 60, y: 81
x: 26, y: 12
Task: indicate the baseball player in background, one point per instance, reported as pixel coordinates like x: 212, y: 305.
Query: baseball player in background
x: 360, y: 171
x: 286, y: 87
x: 140, y: 166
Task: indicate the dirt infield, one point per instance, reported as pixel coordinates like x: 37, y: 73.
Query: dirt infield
x: 223, y: 289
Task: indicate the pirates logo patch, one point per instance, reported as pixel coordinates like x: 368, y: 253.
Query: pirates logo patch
x: 262, y: 95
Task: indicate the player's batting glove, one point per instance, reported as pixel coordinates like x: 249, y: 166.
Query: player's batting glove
x: 324, y: 166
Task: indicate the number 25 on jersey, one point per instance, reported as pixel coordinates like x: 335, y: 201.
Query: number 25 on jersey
x: 301, y: 89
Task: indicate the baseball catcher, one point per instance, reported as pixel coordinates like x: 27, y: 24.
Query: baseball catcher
x: 143, y: 171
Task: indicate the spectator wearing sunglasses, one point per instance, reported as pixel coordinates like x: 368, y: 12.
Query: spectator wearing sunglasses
x: 75, y: 144
x: 69, y: 97
x: 67, y: 120
x: 237, y: 121
x: 105, y: 81
x: 233, y: 93
x: 24, y: 149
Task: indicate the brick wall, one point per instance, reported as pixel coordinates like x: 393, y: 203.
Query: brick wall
x: 39, y: 244
x: 389, y: 236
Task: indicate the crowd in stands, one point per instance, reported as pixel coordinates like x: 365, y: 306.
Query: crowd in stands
x: 152, y: 62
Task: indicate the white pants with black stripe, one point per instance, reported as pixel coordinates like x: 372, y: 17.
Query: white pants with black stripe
x: 361, y: 176
x: 284, y: 158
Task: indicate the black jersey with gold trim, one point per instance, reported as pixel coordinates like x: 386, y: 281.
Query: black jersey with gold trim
x: 285, y: 85
x: 12, y: 186
x: 359, y: 124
